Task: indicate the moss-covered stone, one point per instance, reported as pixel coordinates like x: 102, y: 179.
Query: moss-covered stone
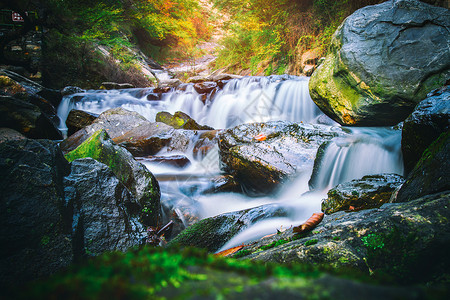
x: 135, y: 176
x: 363, y: 82
x: 179, y: 120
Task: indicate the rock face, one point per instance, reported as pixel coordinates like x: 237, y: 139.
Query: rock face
x: 48, y: 220
x: 380, y: 64
x: 430, y: 118
x: 430, y: 174
x: 105, y: 214
x: 212, y: 233
x: 407, y: 241
x: 135, y: 176
x: 368, y: 192
x: 32, y: 229
x: 261, y: 156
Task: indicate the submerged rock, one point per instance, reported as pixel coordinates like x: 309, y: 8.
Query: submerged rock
x: 430, y: 118
x: 430, y: 175
x: 212, y: 233
x: 261, y: 156
x: 379, y: 65
x: 368, y: 192
x: 178, y: 161
x: 135, y: 176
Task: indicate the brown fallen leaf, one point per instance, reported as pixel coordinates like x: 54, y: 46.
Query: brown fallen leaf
x: 312, y: 222
x: 230, y: 251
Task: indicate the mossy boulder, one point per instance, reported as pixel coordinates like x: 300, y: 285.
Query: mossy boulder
x: 379, y: 66
x: 212, y: 233
x: 261, y: 156
x: 180, y: 120
x: 405, y: 242
x: 430, y: 118
x: 135, y: 176
x: 78, y: 119
x: 430, y: 175
x: 368, y: 192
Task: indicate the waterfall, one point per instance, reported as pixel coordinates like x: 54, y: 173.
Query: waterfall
x: 366, y: 151
x: 359, y: 152
x: 245, y: 100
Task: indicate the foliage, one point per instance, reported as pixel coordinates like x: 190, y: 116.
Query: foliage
x: 267, y: 36
x: 144, y: 273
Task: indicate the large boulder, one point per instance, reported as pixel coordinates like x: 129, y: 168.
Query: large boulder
x: 368, y: 192
x: 261, y: 156
x: 212, y: 233
x: 430, y: 174
x: 430, y: 118
x: 48, y: 221
x: 407, y: 242
x: 116, y: 122
x: 35, y: 238
x: 384, y: 59
x: 78, y: 119
x: 134, y: 175
x: 105, y: 215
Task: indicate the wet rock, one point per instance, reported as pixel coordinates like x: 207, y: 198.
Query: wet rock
x: 371, y: 191
x: 115, y: 86
x: 205, y: 87
x: 180, y: 120
x: 135, y: 176
x: 181, y: 140
x: 212, y: 233
x: 430, y: 175
x: 161, y: 90
x: 26, y: 118
x: 146, y: 139
x: 363, y: 82
x: 34, y: 237
x: 105, y: 214
x: 430, y: 118
x: 261, y: 156
x: 70, y: 90
x: 116, y: 122
x: 406, y: 241
x: 78, y: 119
x: 170, y: 83
x: 8, y: 134
x: 224, y: 184
x: 197, y: 79
x: 178, y: 161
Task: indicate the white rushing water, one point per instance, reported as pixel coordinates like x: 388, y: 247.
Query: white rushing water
x: 250, y: 99
x: 363, y: 151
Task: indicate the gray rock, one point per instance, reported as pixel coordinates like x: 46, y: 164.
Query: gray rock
x: 35, y: 237
x: 368, y: 192
x: 384, y: 59
x: 105, y: 214
x: 430, y: 118
x: 134, y: 175
x: 284, y: 150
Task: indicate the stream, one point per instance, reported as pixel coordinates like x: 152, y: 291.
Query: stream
x: 364, y: 151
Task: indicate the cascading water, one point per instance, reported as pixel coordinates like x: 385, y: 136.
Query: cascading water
x: 250, y: 99
x: 362, y: 151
